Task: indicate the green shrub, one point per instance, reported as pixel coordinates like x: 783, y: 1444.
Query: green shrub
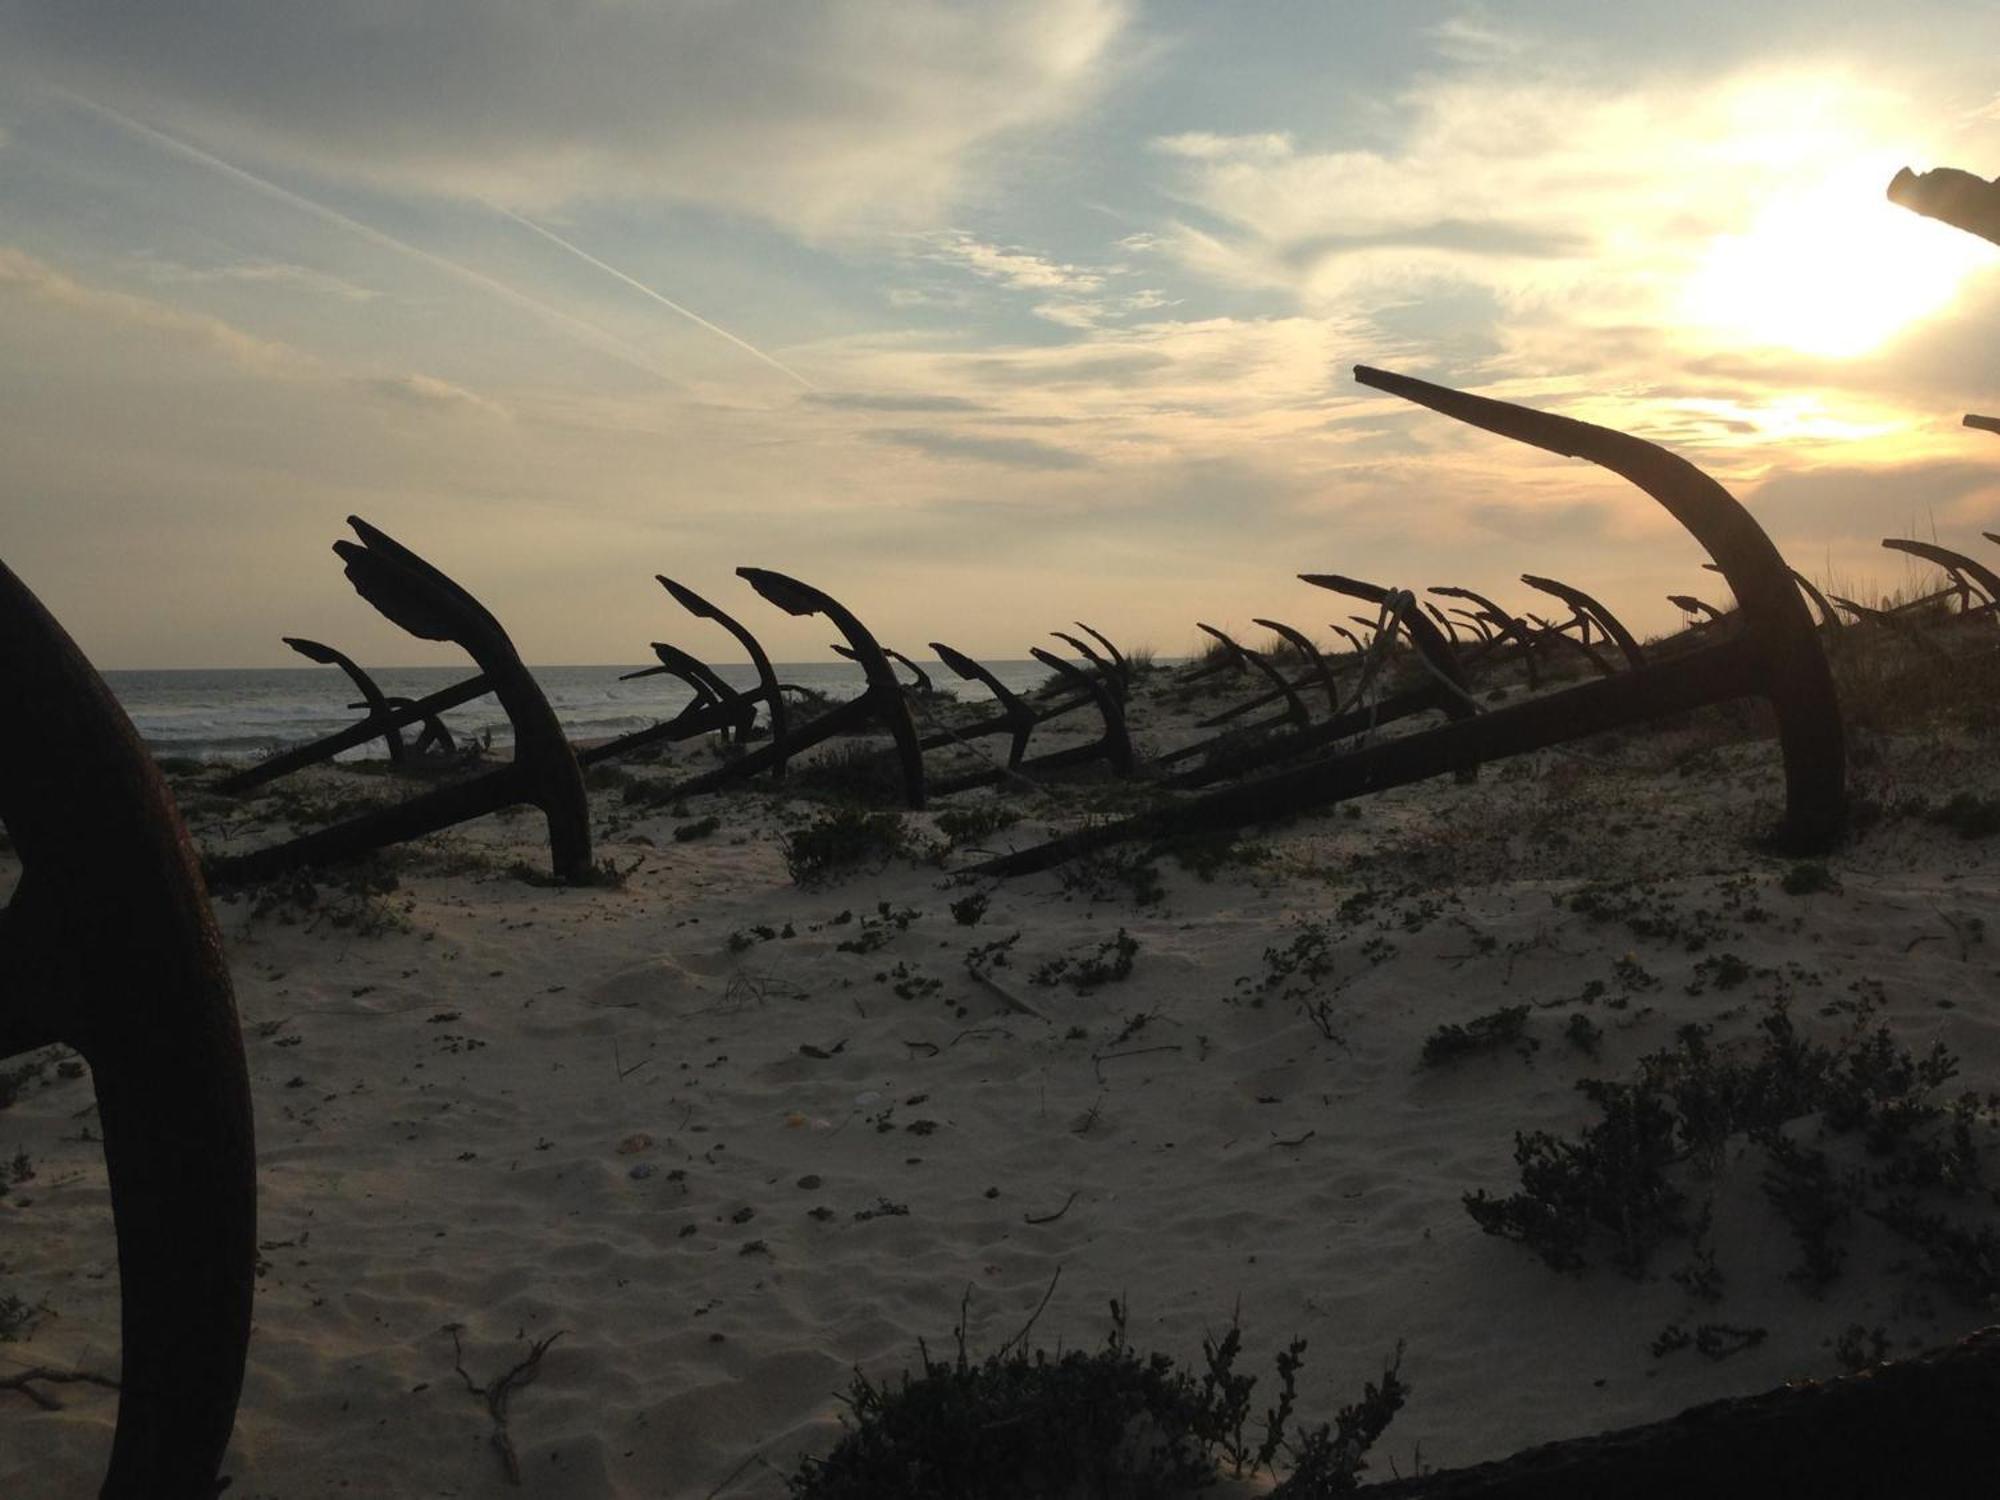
x: 1487, y: 1033
x: 1036, y: 1426
x: 1110, y: 961
x: 965, y: 825
x: 1969, y: 815
x: 840, y: 838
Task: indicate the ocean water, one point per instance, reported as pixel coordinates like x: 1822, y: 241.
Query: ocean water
x: 240, y: 714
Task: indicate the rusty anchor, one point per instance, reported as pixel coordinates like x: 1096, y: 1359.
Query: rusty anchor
x: 881, y: 701
x: 1951, y: 196
x: 1113, y: 745
x: 1498, y: 626
x: 544, y: 771
x: 769, y: 690
x: 1118, y: 662
x: 1975, y: 584
x: 1588, y: 611
x: 920, y: 681
x: 108, y: 946
x: 1401, y: 616
x: 1112, y: 677
x: 1776, y: 655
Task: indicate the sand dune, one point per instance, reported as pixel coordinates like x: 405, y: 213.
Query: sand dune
x: 730, y: 1137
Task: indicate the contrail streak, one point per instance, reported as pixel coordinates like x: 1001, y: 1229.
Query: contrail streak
x: 598, y: 338
x: 639, y: 286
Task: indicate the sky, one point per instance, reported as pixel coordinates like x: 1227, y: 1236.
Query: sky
x: 982, y: 317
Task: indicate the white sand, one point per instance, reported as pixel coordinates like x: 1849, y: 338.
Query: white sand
x: 530, y: 1110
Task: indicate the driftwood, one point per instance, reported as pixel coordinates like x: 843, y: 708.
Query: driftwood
x: 108, y: 946
x: 1775, y: 655
x: 1917, y: 1427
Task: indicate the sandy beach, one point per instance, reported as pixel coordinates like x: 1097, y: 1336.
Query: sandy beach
x: 716, y: 1137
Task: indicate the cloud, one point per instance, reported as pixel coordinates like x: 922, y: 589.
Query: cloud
x: 1577, y: 201
x: 281, y: 274
x: 1868, y: 503
x: 428, y: 393
x: 846, y: 115
x: 878, y: 401
x: 1013, y: 453
x: 25, y: 277
x: 1010, y: 266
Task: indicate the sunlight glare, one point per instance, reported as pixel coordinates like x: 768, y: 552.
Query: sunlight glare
x: 1830, y: 267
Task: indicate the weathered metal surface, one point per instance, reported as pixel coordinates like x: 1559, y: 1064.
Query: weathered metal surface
x: 1113, y: 746
x: 1445, y: 691
x: 1547, y: 632
x: 1796, y: 678
x: 1351, y: 638
x: 1590, y: 609
x: 1828, y: 615
x: 544, y: 770
x: 1426, y: 637
x: 1445, y: 622
x: 1775, y: 655
x: 1303, y: 644
x: 1505, y: 626
x: 401, y: 714
x: 108, y: 946
x: 1118, y: 661
x: 1476, y: 620
x: 1227, y: 661
x: 1113, y: 678
x: 1984, y: 424
x: 1951, y: 196
x: 1015, y: 718
x: 883, y: 697
x: 1687, y: 604
x: 920, y: 680
x: 775, y: 709
x: 1921, y: 1426
x: 1966, y: 570
x: 1281, y: 688
x: 372, y: 696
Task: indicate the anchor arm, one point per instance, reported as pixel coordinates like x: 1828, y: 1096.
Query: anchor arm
x: 113, y: 924
x: 767, y: 678
x: 886, y: 695
x: 427, y: 603
x: 1796, y: 677
x: 1953, y: 197
x: 371, y: 695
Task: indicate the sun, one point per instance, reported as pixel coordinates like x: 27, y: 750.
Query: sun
x: 1829, y: 267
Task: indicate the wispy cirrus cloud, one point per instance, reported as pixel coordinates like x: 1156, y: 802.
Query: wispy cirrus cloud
x: 280, y: 275
x: 841, y: 117
x: 1010, y: 452
x: 26, y: 277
